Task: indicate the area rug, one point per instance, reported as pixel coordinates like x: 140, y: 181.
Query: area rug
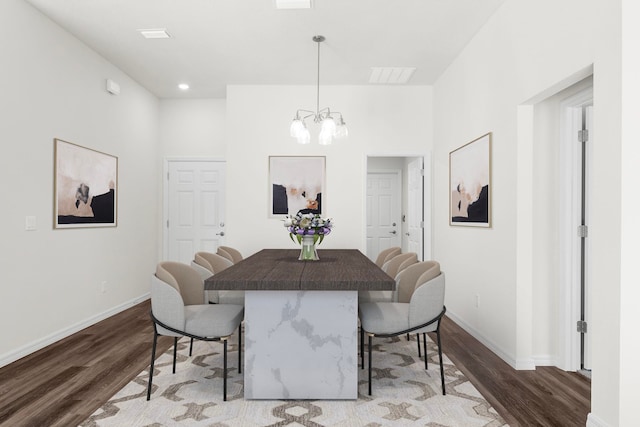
x: 403, y: 394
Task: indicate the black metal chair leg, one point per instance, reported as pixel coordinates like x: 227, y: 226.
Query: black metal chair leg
x: 240, y: 349
x: 175, y: 352
x: 362, y: 348
x: 418, y: 339
x: 191, y: 347
x: 424, y: 344
x: 370, y: 348
x: 153, y: 359
x: 224, y: 373
x: 440, y: 354
x: 408, y: 337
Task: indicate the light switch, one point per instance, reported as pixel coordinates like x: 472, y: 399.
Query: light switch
x: 30, y: 223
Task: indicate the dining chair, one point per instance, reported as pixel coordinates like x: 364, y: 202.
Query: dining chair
x: 178, y: 309
x: 230, y: 253
x: 387, y: 254
x: 421, y: 314
x: 214, y: 264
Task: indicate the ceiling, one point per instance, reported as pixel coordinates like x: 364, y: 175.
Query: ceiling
x: 215, y: 43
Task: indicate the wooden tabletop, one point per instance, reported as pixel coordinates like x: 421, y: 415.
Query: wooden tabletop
x: 279, y: 269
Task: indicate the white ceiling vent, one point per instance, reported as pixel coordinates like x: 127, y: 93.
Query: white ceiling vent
x: 391, y: 75
x: 293, y: 4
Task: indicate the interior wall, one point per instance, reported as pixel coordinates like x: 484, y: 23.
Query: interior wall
x: 54, y: 87
x: 382, y: 121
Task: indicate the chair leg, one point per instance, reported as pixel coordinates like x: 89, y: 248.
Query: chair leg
x: 418, y: 339
x: 440, y: 354
x: 191, y: 347
x: 424, y: 343
x: 408, y: 337
x: 175, y: 352
x: 240, y: 349
x: 370, y: 348
x: 224, y: 373
x: 362, y: 348
x: 153, y: 359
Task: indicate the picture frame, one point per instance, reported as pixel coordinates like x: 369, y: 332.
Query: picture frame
x: 85, y: 187
x: 296, y: 183
x: 470, y: 183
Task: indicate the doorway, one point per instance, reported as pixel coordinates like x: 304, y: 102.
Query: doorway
x: 395, y: 204
x: 194, y: 208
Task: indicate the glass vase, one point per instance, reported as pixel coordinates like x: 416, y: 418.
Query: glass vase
x: 308, y: 250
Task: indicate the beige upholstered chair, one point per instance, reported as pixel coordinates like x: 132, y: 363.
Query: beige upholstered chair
x: 420, y: 313
x: 178, y: 309
x: 207, y: 264
x: 230, y: 253
x: 387, y: 254
x: 392, y: 267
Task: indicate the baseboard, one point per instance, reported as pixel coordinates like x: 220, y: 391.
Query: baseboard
x: 544, y: 360
x: 519, y: 364
x: 593, y: 421
x: 34, y: 346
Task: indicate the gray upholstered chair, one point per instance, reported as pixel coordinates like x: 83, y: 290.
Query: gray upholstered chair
x: 178, y: 309
x: 392, y: 267
x: 230, y: 253
x: 420, y: 313
x: 387, y: 254
x: 214, y: 264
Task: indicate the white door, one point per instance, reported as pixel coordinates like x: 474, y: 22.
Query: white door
x: 383, y: 211
x: 194, y: 214
x: 415, y: 215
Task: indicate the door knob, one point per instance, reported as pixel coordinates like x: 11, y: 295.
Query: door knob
x: 220, y: 233
x: 393, y: 232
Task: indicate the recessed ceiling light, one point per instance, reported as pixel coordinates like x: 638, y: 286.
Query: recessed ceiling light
x: 391, y: 75
x: 155, y: 33
x: 293, y: 4
x: 183, y: 86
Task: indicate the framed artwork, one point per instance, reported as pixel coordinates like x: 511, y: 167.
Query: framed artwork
x: 470, y: 183
x: 296, y: 184
x: 85, y: 187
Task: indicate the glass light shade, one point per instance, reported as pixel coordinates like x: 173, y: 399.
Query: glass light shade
x: 296, y: 128
x: 328, y: 126
x: 304, y: 137
x: 342, y: 131
x: 325, y: 138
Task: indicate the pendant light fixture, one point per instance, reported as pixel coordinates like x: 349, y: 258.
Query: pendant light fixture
x: 332, y: 124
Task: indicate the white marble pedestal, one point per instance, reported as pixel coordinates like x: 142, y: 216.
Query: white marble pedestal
x: 301, y: 345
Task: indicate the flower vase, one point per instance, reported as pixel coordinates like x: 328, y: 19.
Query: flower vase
x: 308, y: 250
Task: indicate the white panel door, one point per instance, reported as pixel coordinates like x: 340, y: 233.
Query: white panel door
x: 415, y: 215
x: 383, y: 212
x: 195, y: 208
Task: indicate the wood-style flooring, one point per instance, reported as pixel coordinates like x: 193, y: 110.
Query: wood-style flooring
x: 64, y: 383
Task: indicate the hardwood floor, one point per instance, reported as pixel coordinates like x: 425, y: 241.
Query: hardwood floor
x: 64, y: 383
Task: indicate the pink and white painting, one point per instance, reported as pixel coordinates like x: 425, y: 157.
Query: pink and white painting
x: 296, y: 184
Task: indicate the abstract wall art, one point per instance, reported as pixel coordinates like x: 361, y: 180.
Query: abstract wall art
x: 296, y: 184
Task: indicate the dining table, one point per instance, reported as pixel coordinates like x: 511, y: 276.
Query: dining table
x: 301, y: 320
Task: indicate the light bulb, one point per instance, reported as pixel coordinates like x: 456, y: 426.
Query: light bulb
x: 304, y: 137
x: 329, y: 126
x: 325, y: 138
x: 297, y: 127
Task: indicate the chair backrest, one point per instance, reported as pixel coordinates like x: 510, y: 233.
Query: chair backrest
x: 399, y: 263
x: 183, y: 278
x: 427, y: 301
x: 232, y: 254
x: 387, y: 254
x: 213, y: 262
x: 167, y: 305
x: 407, y: 279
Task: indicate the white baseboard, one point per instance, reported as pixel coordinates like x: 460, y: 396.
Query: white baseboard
x: 593, y: 421
x: 34, y: 346
x: 519, y: 364
x: 545, y: 360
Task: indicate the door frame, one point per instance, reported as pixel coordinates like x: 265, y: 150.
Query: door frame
x: 165, y: 194
x: 569, y: 220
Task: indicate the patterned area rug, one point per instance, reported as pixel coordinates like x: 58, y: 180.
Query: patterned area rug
x: 403, y: 394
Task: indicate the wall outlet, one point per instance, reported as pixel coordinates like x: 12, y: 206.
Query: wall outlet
x: 477, y: 301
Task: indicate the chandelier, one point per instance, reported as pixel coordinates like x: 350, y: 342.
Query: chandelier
x: 332, y: 124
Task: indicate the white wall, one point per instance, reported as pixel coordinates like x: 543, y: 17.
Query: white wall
x: 526, y: 52
x: 382, y: 121
x: 53, y: 87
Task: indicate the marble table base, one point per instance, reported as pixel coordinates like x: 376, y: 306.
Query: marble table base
x: 301, y: 345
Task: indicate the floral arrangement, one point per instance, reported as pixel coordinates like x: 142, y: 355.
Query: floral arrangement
x: 307, y: 224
